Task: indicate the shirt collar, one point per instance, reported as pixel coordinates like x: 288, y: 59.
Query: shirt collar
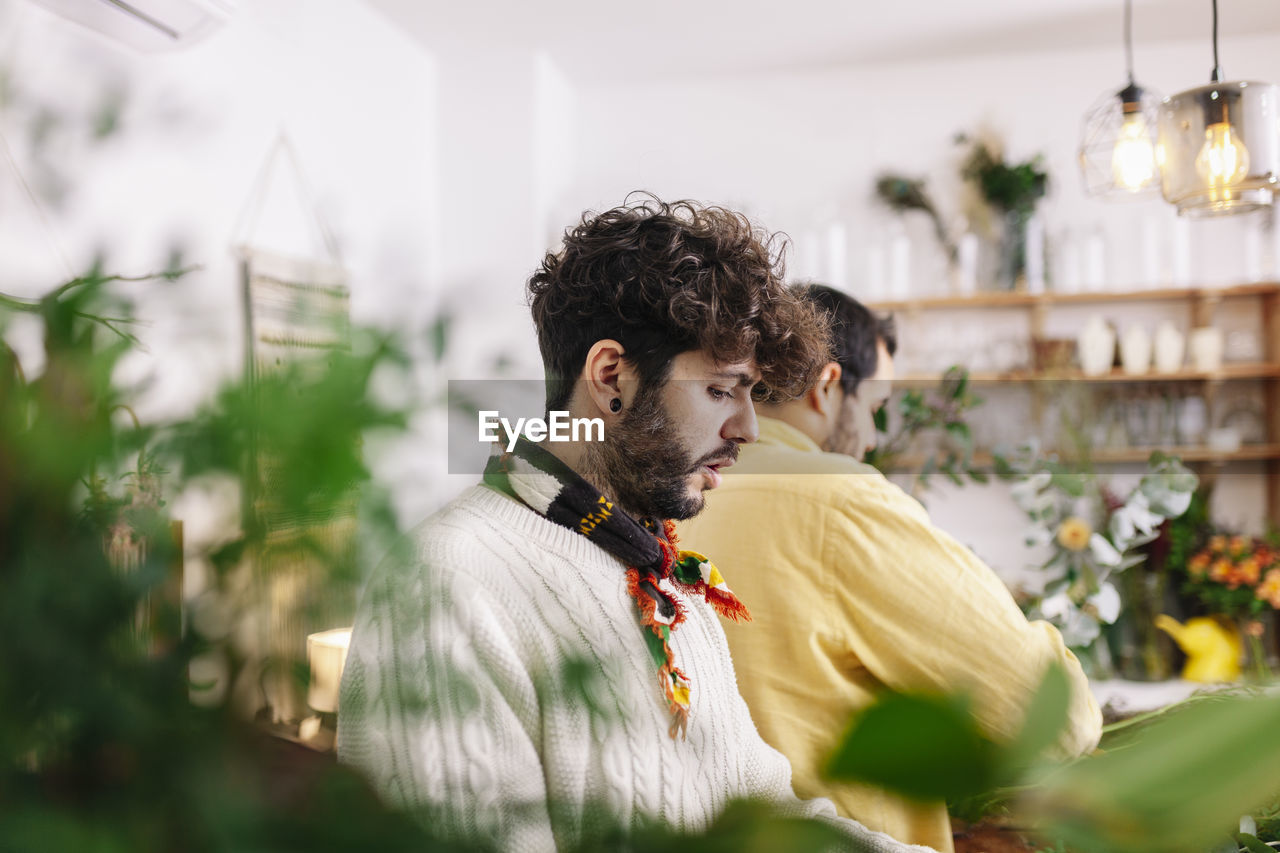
x: 774, y: 432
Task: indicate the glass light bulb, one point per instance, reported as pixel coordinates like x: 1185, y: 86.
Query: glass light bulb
x: 1133, y: 160
x: 1223, y: 160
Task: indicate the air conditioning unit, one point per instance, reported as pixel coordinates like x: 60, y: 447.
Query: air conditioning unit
x: 149, y: 26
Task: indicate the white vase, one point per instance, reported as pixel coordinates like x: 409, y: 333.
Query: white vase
x: 1096, y: 347
x: 1135, y: 351
x: 1206, y: 349
x: 1170, y: 346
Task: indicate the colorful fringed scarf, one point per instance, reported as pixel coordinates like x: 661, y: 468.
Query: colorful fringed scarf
x: 647, y: 547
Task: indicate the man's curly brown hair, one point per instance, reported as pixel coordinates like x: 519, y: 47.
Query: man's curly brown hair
x: 665, y: 278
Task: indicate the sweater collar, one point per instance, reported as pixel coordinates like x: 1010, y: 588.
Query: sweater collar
x: 647, y: 547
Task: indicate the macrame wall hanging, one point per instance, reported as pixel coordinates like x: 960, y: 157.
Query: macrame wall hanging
x: 296, y: 316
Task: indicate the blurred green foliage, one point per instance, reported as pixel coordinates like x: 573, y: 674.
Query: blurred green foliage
x: 933, y: 422
x: 1008, y: 188
x: 102, y: 747
x: 902, y: 194
x: 929, y: 747
x: 1177, y: 780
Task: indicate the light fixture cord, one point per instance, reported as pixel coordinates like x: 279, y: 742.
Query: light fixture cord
x: 1216, y: 77
x: 1128, y: 37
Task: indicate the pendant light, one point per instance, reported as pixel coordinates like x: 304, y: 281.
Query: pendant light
x: 1118, y: 142
x: 1219, y: 150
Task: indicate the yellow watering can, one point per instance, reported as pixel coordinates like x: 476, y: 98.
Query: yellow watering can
x: 1213, y: 649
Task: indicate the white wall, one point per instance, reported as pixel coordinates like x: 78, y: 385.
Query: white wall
x: 351, y: 92
x: 802, y: 149
x: 355, y: 96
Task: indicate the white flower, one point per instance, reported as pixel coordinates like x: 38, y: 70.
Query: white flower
x: 1106, y: 603
x: 1078, y: 627
x: 1082, y: 630
x: 1057, y: 607
x: 1134, y: 517
x: 1174, y: 504
x: 1103, y: 552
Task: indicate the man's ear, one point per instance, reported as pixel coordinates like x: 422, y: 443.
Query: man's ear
x: 607, y: 376
x: 826, y: 395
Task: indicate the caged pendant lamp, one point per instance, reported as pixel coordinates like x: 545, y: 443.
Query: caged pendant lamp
x: 1118, y: 140
x: 1219, y: 146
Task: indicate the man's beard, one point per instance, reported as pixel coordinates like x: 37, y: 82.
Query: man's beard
x: 646, y: 466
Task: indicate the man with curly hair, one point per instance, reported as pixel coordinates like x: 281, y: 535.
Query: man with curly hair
x: 540, y: 661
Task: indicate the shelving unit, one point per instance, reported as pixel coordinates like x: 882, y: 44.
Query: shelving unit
x: 1258, y: 370
x: 1017, y: 300
x: 1203, y: 303
x: 1138, y: 455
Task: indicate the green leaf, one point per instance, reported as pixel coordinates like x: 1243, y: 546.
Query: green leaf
x: 881, y: 419
x: 1072, y: 484
x: 1046, y: 717
x: 1003, y: 468
x: 438, y: 334
x: 1180, y: 784
x: 1252, y: 843
x: 922, y: 746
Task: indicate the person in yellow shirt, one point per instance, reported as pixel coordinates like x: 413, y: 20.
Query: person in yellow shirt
x: 854, y: 591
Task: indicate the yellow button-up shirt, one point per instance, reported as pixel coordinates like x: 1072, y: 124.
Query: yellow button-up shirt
x: 852, y: 590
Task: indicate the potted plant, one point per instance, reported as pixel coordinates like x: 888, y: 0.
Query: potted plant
x: 1012, y: 192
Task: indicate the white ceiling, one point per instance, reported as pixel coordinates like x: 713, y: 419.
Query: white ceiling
x: 668, y: 38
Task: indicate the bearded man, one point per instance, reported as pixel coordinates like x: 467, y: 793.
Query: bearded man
x: 854, y: 591
x: 461, y: 698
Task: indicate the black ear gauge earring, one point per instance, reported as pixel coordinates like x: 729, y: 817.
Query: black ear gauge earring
x: 615, y: 405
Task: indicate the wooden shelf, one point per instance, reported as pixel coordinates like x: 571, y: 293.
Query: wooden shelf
x: 1246, y: 453
x: 1021, y: 300
x: 1251, y: 370
x: 1197, y: 453
x: 1202, y: 304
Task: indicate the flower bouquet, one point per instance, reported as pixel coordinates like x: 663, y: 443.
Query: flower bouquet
x: 1239, y: 578
x: 1092, y: 535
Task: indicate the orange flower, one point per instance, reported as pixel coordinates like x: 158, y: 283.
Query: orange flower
x: 1217, y: 543
x: 1221, y: 570
x: 1248, y: 571
x: 1074, y: 534
x: 1269, y: 589
x: 1239, y: 546
x: 1199, y: 563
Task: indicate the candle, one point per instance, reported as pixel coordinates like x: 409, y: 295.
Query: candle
x: 327, y: 653
x: 1035, y: 255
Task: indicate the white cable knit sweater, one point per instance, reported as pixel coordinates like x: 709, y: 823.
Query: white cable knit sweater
x: 454, y: 696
